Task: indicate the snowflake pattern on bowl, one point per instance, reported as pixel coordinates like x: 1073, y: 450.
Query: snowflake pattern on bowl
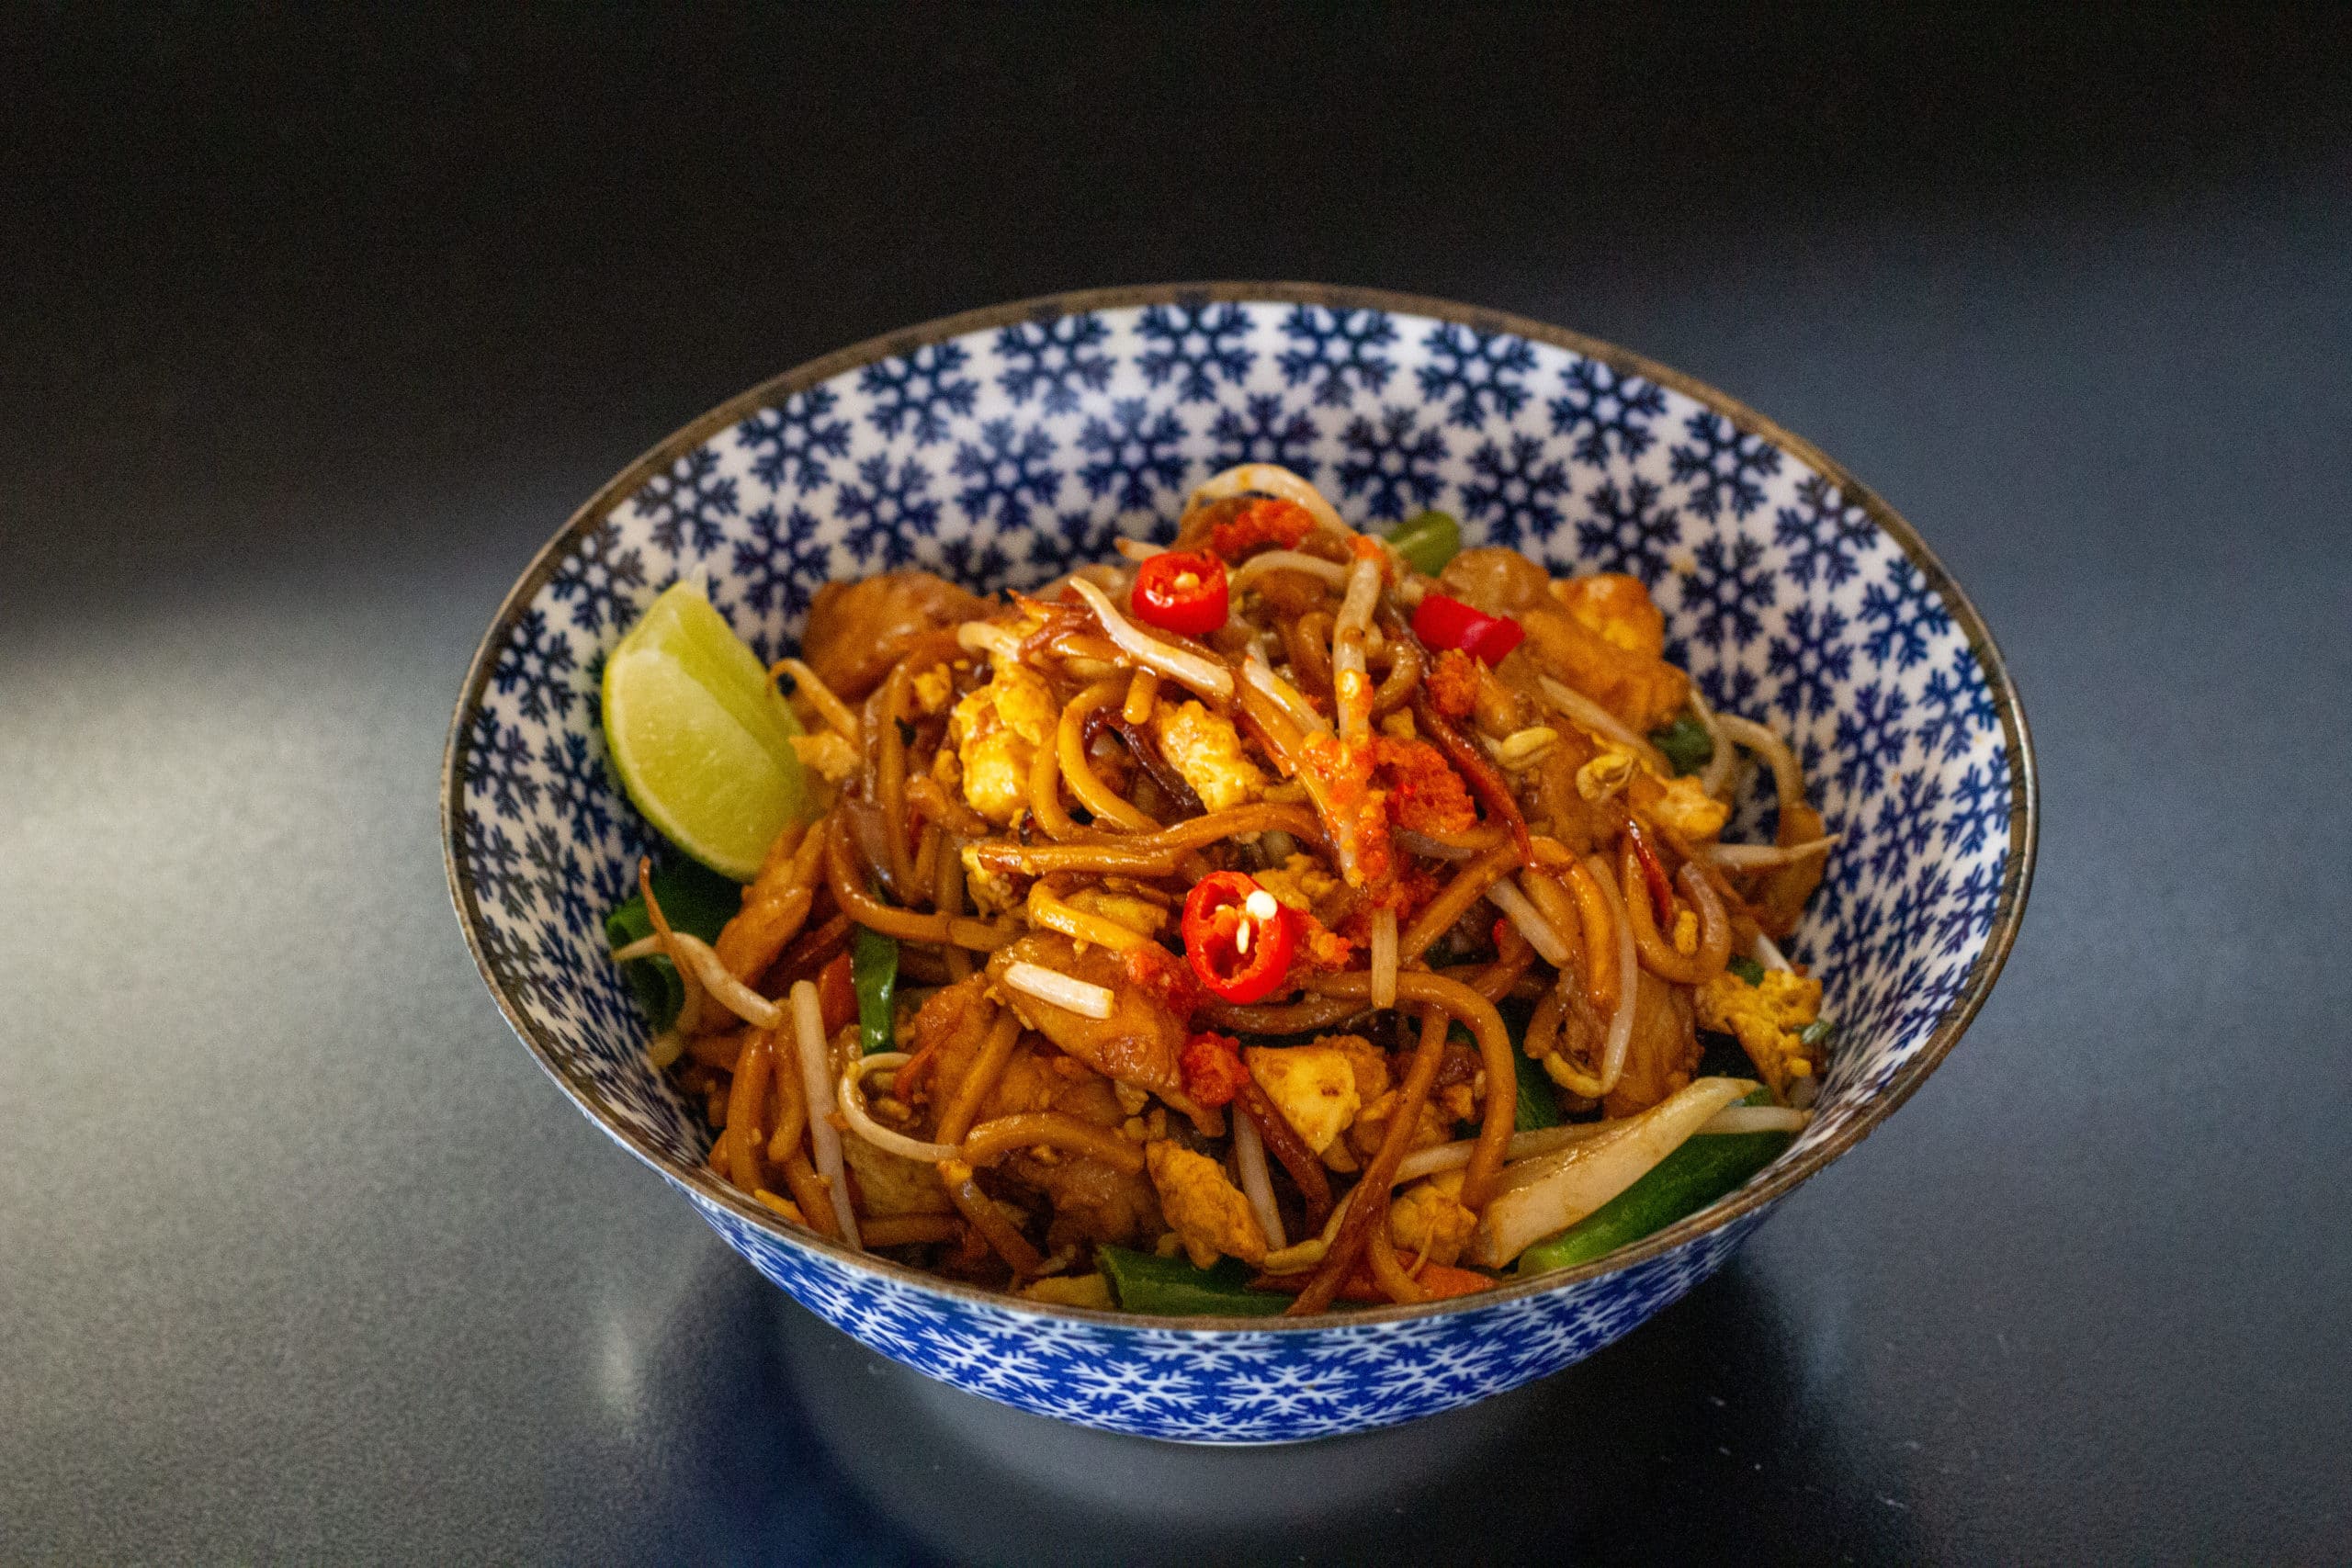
x: 1006, y: 446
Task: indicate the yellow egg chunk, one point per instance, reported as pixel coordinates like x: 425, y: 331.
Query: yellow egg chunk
x: 1313, y: 1085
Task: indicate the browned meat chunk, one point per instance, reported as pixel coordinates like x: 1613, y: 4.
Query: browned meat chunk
x: 857, y: 630
x: 1664, y: 1051
x: 1141, y: 1043
x: 1495, y: 581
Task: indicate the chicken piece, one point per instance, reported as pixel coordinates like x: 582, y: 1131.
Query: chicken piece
x: 1091, y: 1201
x: 1495, y: 581
x: 1206, y: 749
x: 1209, y: 1214
x: 1142, y: 1042
x: 1681, y: 804
x: 1664, y: 1051
x: 1432, y: 1127
x: 1643, y: 690
x: 857, y: 630
x: 888, y: 1184
x: 1313, y: 1085
x: 1781, y: 894
x: 1430, y: 1214
x: 1617, y: 609
x: 996, y: 732
x: 1766, y: 1016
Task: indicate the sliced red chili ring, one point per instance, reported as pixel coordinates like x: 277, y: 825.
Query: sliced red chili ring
x: 1238, y: 936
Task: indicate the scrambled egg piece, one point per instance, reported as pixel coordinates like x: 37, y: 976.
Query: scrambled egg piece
x: 833, y: 757
x: 992, y: 890
x: 1299, y: 883
x: 1071, y: 1290
x: 1210, y: 1215
x: 996, y: 732
x: 932, y: 688
x: 1617, y: 609
x: 1206, y: 749
x: 1430, y: 1213
x: 1766, y: 1018
x: 1313, y: 1085
x: 1682, y: 805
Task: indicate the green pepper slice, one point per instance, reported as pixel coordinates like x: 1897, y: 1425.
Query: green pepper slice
x: 874, y: 976
x: 1428, y: 542
x: 1172, y: 1287
x: 696, y: 900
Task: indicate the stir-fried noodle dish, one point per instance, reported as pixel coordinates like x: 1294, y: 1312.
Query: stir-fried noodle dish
x: 1293, y: 918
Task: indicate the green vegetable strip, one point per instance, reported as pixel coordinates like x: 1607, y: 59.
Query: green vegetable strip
x: 1539, y: 1106
x: 1172, y: 1287
x: 1686, y: 744
x: 1705, y: 1167
x: 1747, y: 968
x: 874, y: 975
x: 696, y: 900
x: 1428, y: 542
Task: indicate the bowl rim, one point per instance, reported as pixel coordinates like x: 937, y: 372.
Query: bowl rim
x: 1757, y: 1194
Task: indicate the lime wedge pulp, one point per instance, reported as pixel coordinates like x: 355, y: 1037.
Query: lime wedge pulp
x: 700, y: 736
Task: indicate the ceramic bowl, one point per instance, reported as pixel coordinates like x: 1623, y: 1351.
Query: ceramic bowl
x: 1004, y: 447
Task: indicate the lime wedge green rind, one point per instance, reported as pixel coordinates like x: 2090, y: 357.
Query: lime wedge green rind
x: 700, y: 738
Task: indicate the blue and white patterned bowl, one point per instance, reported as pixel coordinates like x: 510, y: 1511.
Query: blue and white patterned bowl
x: 1005, y: 446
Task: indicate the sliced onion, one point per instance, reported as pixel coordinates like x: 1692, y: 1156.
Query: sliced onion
x: 725, y: 989
x: 824, y: 1138
x: 1523, y: 1145
x: 1136, y: 549
x: 1268, y: 478
x: 1065, y: 991
x: 1287, y: 697
x: 1177, y: 663
x: 643, y: 947
x: 1755, y: 857
x: 1788, y: 773
x: 1249, y: 1159
x: 1547, y: 1140
x: 1757, y: 1119
x: 1541, y: 935
x: 1383, y: 957
x: 854, y: 1112
x: 1330, y: 572
x: 1600, y: 721
x: 1768, y: 952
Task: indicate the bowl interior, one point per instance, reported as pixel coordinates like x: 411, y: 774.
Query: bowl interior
x: 1006, y: 446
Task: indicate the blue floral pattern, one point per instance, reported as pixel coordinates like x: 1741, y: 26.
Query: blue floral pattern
x: 1009, y: 454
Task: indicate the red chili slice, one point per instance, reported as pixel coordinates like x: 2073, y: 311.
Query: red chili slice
x: 1181, y: 590
x: 1238, y: 938
x: 1445, y: 623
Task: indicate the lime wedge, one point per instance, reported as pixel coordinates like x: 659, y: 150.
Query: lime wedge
x: 700, y: 736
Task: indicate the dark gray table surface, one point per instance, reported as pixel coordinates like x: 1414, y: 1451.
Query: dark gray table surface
x: 313, y: 329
